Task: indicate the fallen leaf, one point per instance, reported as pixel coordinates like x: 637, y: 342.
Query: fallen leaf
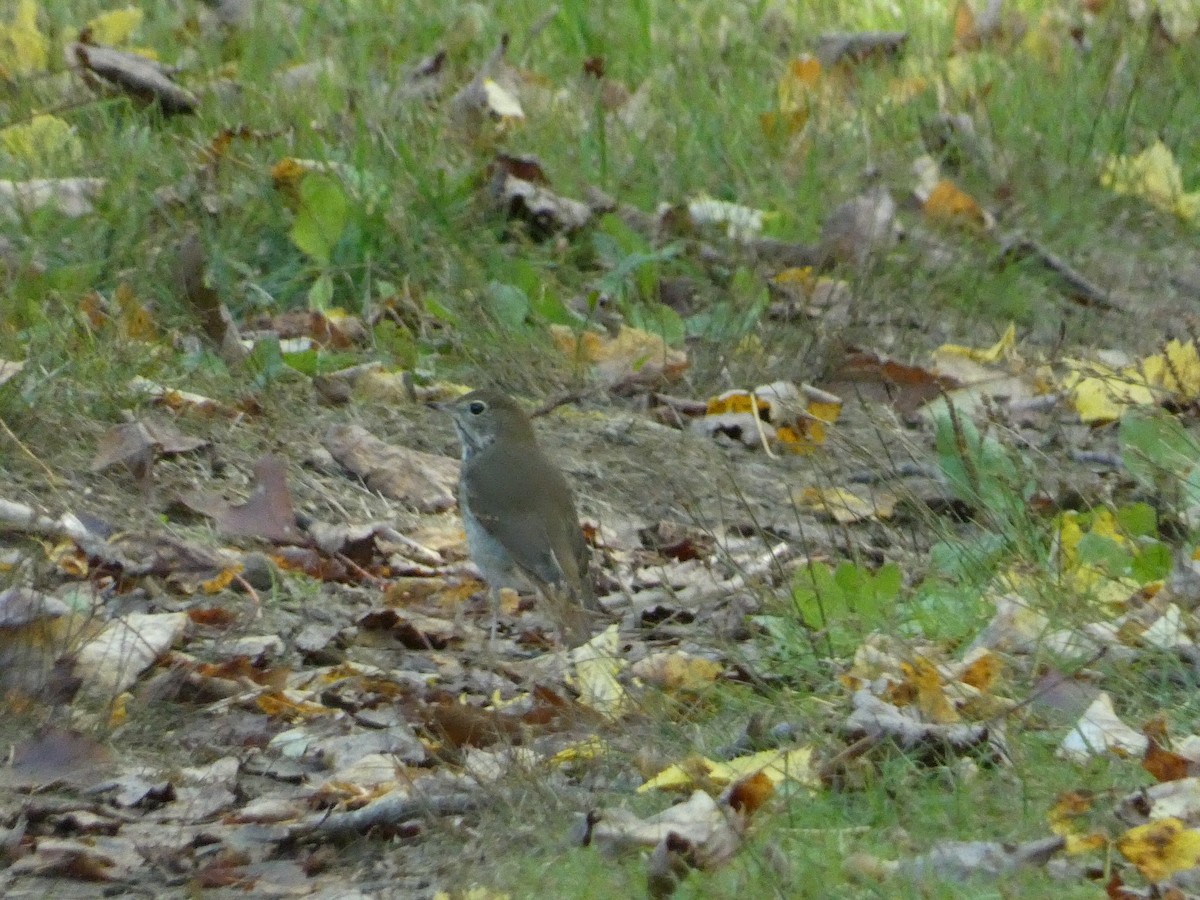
x: 135, y: 75
x: 267, y: 513
x: 1160, y: 849
x: 1155, y: 176
x: 633, y: 357
x: 1100, y: 731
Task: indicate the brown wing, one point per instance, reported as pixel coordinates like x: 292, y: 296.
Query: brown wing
x: 518, y: 513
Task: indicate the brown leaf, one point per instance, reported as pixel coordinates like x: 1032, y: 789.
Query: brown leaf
x: 422, y: 481
x: 190, y: 281
x: 137, y: 76
x: 268, y: 512
x: 460, y: 725
x: 128, y: 445
x: 865, y: 372
x: 136, y: 444
x: 56, y: 755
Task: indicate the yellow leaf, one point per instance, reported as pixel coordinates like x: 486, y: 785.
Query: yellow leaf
x: 676, y: 671
x: 115, y: 27
x: 1154, y: 176
x: 778, y: 124
x: 777, y: 765
x: 735, y: 402
x: 221, y: 580
x: 23, y: 49
x: 592, y: 748
x: 931, y: 697
x: 797, y: 86
x: 992, y: 354
x: 803, y: 276
x: 1085, y: 843
x: 1159, y: 849
x: 137, y: 322
x: 1176, y: 369
x: 1101, y: 393
x: 42, y: 137
x: 633, y: 354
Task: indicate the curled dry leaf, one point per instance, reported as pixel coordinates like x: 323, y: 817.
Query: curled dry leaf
x: 545, y: 212
x: 190, y: 277
x: 1099, y: 730
x: 957, y: 861
x: 136, y: 444
x: 489, y: 96
x: 1179, y: 799
x: 137, y: 76
x: 781, y: 412
x: 424, y: 80
x: 422, y: 481
x: 173, y: 398
x: 859, y: 230
x: 874, y: 376
x: 878, y: 722
x: 700, y: 833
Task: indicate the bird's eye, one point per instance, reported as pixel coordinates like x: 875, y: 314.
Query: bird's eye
x: 477, y: 407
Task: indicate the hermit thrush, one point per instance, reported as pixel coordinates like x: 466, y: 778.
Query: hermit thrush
x: 517, y: 508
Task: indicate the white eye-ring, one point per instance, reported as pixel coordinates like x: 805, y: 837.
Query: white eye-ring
x: 477, y: 407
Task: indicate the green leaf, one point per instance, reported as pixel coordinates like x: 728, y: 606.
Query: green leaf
x: 1152, y: 563
x: 318, y: 362
x: 1105, y: 554
x: 889, y: 580
x: 508, y: 303
x: 967, y: 560
x: 397, y: 342
x: 548, y: 306
x: 1155, y: 446
x: 618, y: 239
x: 1138, y: 519
x: 321, y: 218
x: 320, y: 295
x: 659, y: 319
x: 265, y: 362
x: 980, y: 470
x: 439, y: 310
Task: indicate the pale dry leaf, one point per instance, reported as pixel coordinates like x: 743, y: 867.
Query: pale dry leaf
x: 1098, y: 731
x: 9, y: 370
x: 71, y: 197
x: 125, y: 648
x: 422, y: 481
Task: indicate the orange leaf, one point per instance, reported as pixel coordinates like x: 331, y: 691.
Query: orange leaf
x: 948, y: 203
